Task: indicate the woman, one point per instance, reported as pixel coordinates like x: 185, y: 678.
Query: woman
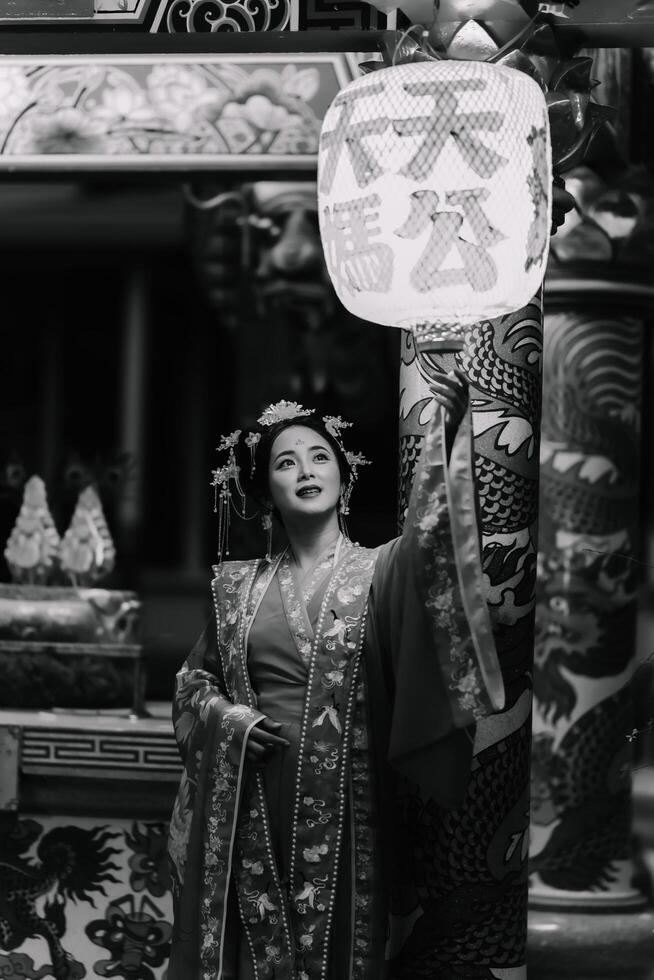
x: 330, y: 672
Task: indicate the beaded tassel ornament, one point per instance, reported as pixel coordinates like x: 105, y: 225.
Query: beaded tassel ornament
x: 334, y: 424
x: 228, y: 475
x: 222, y: 494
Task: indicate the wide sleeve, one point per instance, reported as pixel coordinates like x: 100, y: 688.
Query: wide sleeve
x: 201, y: 700
x: 211, y: 733
x: 430, y: 618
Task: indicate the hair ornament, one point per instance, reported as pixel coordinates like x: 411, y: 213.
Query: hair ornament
x: 230, y: 441
x: 223, y: 476
x: 354, y: 460
x: 334, y: 424
x: 267, y: 525
x: 282, y: 411
x: 252, y: 440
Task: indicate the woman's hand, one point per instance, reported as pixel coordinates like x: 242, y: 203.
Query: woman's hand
x: 262, y: 742
x: 451, y: 392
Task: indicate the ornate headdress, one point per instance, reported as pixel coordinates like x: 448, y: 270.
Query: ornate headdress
x: 226, y: 478
x: 282, y: 411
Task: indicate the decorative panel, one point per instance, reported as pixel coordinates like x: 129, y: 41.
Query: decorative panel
x: 84, y: 897
x: 132, y: 13
x: 253, y: 112
x: 607, y: 22
x: 198, y: 16
x: 203, y: 16
x: 48, y: 9
x: 66, y: 743
x: 48, y: 751
x: 346, y: 14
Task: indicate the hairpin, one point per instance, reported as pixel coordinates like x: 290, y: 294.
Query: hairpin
x: 282, y: 411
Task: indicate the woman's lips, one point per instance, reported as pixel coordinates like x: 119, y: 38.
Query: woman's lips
x: 308, y: 491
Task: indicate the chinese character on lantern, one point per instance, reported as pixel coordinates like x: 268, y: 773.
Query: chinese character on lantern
x: 434, y: 192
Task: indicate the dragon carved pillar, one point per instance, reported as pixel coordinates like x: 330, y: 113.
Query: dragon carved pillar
x: 586, y: 642
x: 474, y: 859
x: 597, y: 299
x: 582, y: 857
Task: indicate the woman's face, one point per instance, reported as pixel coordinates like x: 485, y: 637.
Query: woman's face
x: 303, y: 474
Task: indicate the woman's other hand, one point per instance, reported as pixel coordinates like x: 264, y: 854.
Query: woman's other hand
x: 264, y: 738
x: 450, y: 391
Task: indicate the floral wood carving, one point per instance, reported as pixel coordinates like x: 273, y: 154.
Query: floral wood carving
x: 194, y: 16
x: 150, y: 109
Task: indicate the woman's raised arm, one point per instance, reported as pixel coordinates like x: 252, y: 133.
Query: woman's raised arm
x: 428, y: 608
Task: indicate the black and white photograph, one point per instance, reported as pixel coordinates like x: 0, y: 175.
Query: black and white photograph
x: 326, y: 490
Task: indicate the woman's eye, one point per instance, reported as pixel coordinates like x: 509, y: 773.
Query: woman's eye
x: 283, y: 466
x: 321, y: 457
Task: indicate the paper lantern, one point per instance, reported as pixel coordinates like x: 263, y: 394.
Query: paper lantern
x: 434, y: 192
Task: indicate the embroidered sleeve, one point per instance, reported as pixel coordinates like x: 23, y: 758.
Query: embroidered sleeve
x: 431, y: 626
x: 212, y: 729
x: 200, y: 692
x: 211, y: 733
x: 442, y: 544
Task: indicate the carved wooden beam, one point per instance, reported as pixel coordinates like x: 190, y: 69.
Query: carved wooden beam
x: 231, y: 26
x: 92, y: 42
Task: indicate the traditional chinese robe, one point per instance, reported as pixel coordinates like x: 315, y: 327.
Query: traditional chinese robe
x: 377, y: 671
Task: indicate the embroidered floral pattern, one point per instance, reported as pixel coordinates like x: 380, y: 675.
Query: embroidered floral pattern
x: 210, y: 730
x: 322, y: 569
x: 324, y: 756
x: 333, y: 665
x: 295, y: 614
x: 180, y: 828
x: 260, y: 896
x: 295, y: 605
x: 363, y: 843
x: 222, y: 807
x: 428, y: 521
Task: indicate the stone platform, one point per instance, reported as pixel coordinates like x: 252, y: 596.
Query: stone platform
x: 591, y: 946
x: 611, y: 945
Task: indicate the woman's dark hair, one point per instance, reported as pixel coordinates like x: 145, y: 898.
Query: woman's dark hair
x: 257, y: 485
